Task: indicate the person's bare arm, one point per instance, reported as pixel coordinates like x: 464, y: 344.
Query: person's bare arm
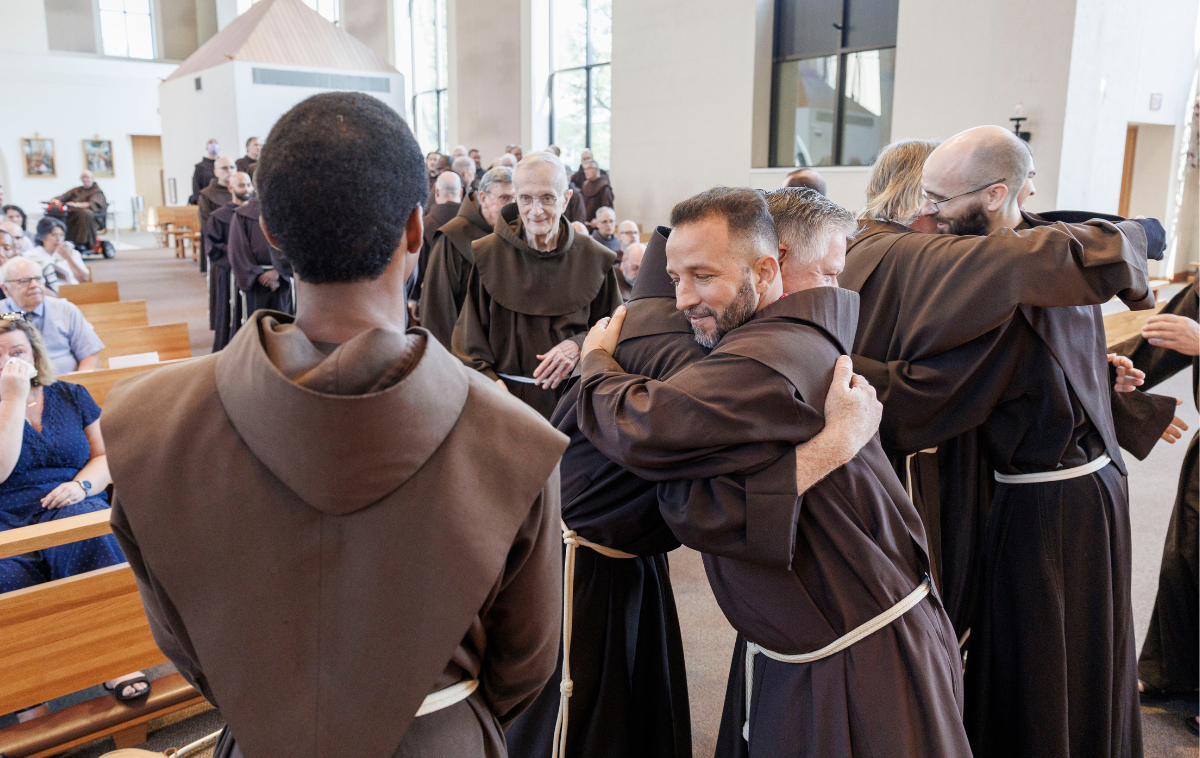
x: 90, y: 363
x: 14, y: 395
x: 94, y: 471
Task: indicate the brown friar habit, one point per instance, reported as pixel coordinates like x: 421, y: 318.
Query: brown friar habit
x: 1050, y: 667
x: 210, y: 198
x: 596, y: 195
x: 249, y: 252
x: 628, y: 677
x: 83, y: 224
x: 201, y: 176
x: 317, y: 587
x: 1169, y: 656
x: 522, y: 302
x: 575, y: 210
x: 438, y: 215
x: 246, y: 165
x: 223, y: 309
x: 450, y: 262
x: 792, y: 575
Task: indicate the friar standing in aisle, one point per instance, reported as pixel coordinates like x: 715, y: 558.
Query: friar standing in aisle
x: 536, y: 288
x: 333, y: 598
x: 960, y: 339
x: 450, y: 262
x: 260, y: 270
x: 224, y: 309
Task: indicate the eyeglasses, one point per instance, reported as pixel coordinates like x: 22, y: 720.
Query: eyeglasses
x: 25, y: 280
x: 503, y: 197
x: 546, y: 201
x: 937, y: 204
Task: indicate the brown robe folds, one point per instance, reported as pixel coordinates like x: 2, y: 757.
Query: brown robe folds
x: 596, y: 195
x: 449, y: 265
x: 249, y: 253
x: 438, y: 215
x: 575, y: 210
x: 83, y: 224
x: 522, y: 302
x: 201, y: 176
x: 223, y: 308
x: 628, y: 675
x: 317, y: 587
x: 246, y: 165
x: 210, y: 198
x: 1049, y: 670
x: 791, y: 574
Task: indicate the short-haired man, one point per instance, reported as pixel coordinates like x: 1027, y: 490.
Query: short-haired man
x: 605, y: 231
x: 999, y: 334
x: 508, y: 160
x: 20, y: 238
x: 631, y: 263
x: 628, y: 233
x: 597, y: 192
x: 881, y: 646
x: 451, y: 259
x: 536, y: 288
x: 214, y: 196
x: 465, y: 168
x: 370, y: 527
x: 71, y: 342
x: 447, y: 199
x: 224, y: 309
x: 806, y: 178
x: 247, y: 162
x: 85, y: 206
x: 8, y: 246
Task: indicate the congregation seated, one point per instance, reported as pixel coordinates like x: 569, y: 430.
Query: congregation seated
x: 8, y: 245
x: 606, y: 230
x: 628, y: 233
x: 70, y: 341
x: 17, y: 216
x: 21, y: 241
x: 60, y: 261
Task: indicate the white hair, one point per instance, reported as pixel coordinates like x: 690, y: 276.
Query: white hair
x: 463, y: 163
x: 558, y: 169
x: 449, y: 183
x: 604, y: 208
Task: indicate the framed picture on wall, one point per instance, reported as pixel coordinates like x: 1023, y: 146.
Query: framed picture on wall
x: 39, y: 156
x: 98, y: 157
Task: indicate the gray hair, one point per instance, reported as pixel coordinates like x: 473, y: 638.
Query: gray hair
x: 497, y: 175
x: 450, y: 182
x: 606, y: 208
x: 462, y: 163
x: 537, y: 160
x: 806, y: 220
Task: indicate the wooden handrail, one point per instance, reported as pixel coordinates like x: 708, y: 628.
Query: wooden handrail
x: 63, y: 531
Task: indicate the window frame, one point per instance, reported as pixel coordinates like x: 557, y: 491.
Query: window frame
x: 842, y: 52
x: 440, y: 89
x: 588, y: 68
x: 125, y: 14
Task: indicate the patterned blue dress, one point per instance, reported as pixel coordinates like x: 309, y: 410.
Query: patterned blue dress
x: 49, y: 458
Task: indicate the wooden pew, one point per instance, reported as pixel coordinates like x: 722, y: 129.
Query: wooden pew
x: 177, y: 226
x: 100, y: 383
x: 118, y: 315
x: 90, y: 292
x: 70, y: 634
x: 170, y: 341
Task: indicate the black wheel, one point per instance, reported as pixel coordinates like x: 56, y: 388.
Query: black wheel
x: 107, y: 249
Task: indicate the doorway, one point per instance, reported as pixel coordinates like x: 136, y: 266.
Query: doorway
x: 148, y: 169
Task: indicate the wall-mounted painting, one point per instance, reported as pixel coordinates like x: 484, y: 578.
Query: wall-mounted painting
x: 39, y: 157
x: 98, y: 157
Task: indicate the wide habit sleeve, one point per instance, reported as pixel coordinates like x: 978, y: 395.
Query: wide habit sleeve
x: 607, y: 300
x: 524, y: 621
x: 441, y: 292
x: 165, y: 622
x: 241, y: 257
x: 958, y: 288
x: 1160, y: 363
x: 721, y: 415
x: 470, y: 339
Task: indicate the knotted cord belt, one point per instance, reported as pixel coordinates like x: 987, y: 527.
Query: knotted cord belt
x: 572, y: 541
x: 1055, y: 476
x: 841, y: 643
x: 908, y: 469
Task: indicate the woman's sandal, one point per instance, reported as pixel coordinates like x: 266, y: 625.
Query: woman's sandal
x: 118, y: 691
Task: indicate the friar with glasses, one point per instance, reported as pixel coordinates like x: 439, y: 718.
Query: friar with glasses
x: 224, y: 308
x: 962, y: 332
x: 451, y: 259
x: 536, y: 288
x: 345, y: 539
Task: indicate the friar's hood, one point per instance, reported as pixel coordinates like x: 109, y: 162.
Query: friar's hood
x: 377, y: 408
x: 536, y: 283
x: 470, y: 211
x: 653, y: 279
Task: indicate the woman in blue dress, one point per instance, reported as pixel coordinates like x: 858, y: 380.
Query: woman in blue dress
x: 52, y: 465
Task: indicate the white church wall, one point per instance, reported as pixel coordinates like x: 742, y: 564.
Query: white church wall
x: 70, y: 98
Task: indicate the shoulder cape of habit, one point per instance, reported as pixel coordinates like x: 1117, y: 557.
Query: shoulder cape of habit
x: 249, y: 209
x: 863, y: 257
x: 524, y: 280
x: 830, y: 312
x: 468, y: 226
x: 653, y: 279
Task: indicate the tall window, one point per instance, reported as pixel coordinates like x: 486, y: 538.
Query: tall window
x: 581, y: 78
x: 327, y: 8
x: 832, y: 81
x: 430, y: 73
x: 125, y: 28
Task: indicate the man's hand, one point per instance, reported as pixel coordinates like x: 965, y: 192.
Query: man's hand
x: 1178, y: 333
x: 852, y: 413
x: 269, y: 279
x: 1176, y: 428
x: 606, y: 333
x: 556, y: 364
x: 500, y: 383
x: 1128, y: 377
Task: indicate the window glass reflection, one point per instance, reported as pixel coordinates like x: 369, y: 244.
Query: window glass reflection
x: 805, y: 98
x: 867, y: 106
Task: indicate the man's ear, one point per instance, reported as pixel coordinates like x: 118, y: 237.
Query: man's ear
x: 414, y: 231
x: 262, y: 224
x: 997, y: 194
x: 766, y: 271
x: 783, y: 253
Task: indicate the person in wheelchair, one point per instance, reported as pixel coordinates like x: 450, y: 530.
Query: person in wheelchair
x: 84, y: 210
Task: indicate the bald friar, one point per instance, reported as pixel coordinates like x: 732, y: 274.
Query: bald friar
x: 447, y: 199
x: 536, y: 289
x: 84, y: 205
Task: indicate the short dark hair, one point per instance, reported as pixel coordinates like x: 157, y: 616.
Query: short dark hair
x: 806, y: 177
x: 338, y: 177
x: 46, y: 226
x: 16, y: 208
x: 744, y: 210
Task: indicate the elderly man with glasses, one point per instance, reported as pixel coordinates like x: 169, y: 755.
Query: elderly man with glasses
x: 536, y: 289
x: 71, y: 342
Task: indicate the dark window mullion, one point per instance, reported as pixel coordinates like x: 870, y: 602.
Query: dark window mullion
x: 839, y: 111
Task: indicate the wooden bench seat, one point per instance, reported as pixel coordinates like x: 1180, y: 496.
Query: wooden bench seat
x: 90, y: 292
x: 170, y: 341
x: 1119, y: 327
x: 119, y: 315
x: 100, y: 383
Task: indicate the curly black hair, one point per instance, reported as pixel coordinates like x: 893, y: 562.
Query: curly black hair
x: 337, y: 179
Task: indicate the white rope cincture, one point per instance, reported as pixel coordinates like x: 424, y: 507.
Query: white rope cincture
x: 841, y: 643
x: 444, y: 698
x: 1055, y: 476
x: 565, y: 686
x: 908, y: 469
